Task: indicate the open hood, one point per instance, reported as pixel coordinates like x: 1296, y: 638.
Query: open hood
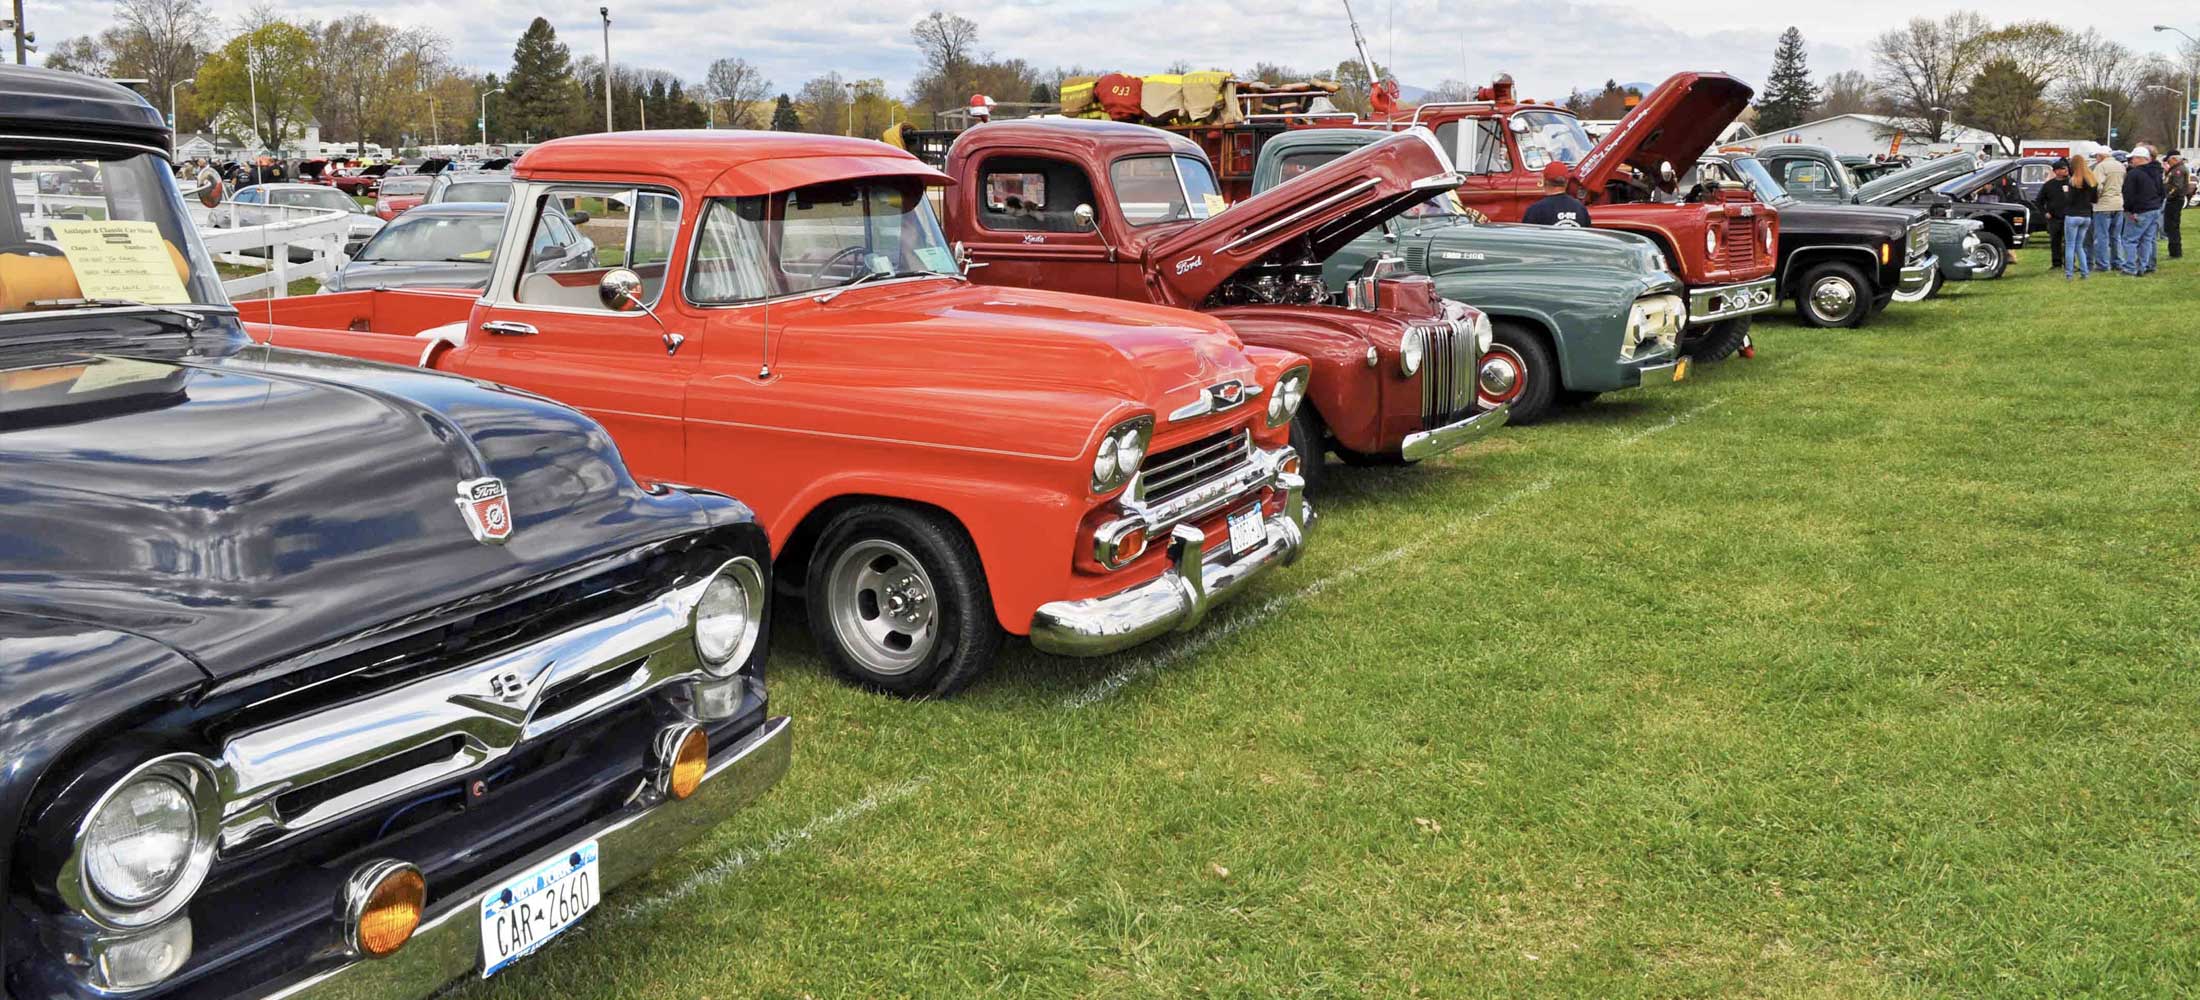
x: 1326, y: 207
x: 375, y: 170
x: 432, y: 165
x: 1910, y: 180
x: 1674, y: 124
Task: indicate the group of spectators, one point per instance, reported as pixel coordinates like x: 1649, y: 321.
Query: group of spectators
x: 2107, y: 216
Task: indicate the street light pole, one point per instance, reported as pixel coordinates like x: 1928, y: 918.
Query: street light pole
x: 851, y: 110
x: 485, y: 119
x: 252, y: 82
x: 2111, y: 120
x: 172, y: 99
x: 605, y: 12
x: 2188, y: 130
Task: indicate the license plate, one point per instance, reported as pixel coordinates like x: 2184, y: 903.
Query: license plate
x: 1248, y: 531
x: 1680, y: 371
x: 534, y: 907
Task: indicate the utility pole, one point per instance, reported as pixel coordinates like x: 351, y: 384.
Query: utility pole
x: 252, y: 80
x: 2188, y: 129
x: 485, y: 119
x: 606, y: 13
x: 172, y: 100
x: 20, y: 58
x: 2111, y: 119
x: 643, y: 104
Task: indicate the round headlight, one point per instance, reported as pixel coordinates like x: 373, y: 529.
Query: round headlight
x: 1484, y: 337
x: 728, y: 616
x: 1710, y: 242
x: 1411, y: 349
x: 139, y: 842
x: 1130, y: 449
x: 1294, y: 390
x: 1103, y: 463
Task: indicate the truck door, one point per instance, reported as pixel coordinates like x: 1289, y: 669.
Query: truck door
x: 1024, y: 225
x: 1478, y: 150
x: 547, y: 329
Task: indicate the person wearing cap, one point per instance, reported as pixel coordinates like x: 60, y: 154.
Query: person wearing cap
x: 2144, y: 192
x: 2177, y: 183
x: 2108, y: 212
x: 1557, y: 207
x: 2054, y: 202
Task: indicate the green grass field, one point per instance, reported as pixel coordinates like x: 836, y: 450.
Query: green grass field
x: 1866, y: 668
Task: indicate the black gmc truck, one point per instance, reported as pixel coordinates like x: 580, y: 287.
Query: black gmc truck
x: 318, y: 678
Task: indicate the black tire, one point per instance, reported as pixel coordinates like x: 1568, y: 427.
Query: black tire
x: 1718, y: 340
x: 960, y: 635
x: 1832, y: 294
x: 1993, y: 252
x: 1524, y: 371
x: 1310, y: 438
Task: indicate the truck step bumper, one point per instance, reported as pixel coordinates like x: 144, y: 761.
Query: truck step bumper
x: 1429, y: 444
x: 1715, y: 303
x: 1179, y: 598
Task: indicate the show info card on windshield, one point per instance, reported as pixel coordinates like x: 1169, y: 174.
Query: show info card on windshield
x: 120, y: 260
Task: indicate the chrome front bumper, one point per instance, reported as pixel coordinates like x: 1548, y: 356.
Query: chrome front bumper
x: 1181, y: 596
x: 1915, y: 277
x: 448, y: 944
x: 1724, y: 302
x: 1429, y: 444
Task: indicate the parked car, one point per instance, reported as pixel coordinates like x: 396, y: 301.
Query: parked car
x: 474, y: 187
x: 295, y: 195
x: 2013, y: 181
x: 941, y: 465
x: 314, y: 673
x: 1813, y: 173
x: 363, y: 183
x: 1132, y: 212
x: 1840, y: 264
x: 399, y: 193
x: 1577, y: 312
x: 449, y: 245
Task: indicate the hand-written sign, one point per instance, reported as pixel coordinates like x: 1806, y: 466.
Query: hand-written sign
x: 121, y: 260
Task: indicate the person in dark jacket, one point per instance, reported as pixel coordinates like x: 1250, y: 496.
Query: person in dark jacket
x: 2144, y: 193
x: 2177, y: 180
x: 2054, y: 208
x: 1557, y: 207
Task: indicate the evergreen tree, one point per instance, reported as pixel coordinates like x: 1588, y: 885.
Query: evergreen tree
x: 783, y: 117
x: 1042, y: 94
x: 1789, y: 96
x: 541, y: 96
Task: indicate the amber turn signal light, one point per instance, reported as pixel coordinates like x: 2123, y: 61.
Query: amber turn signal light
x: 683, y: 754
x: 383, y: 905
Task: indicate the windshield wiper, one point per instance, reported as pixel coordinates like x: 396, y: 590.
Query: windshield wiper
x: 190, y: 321
x: 869, y: 276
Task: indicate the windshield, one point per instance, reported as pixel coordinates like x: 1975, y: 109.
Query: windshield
x: 1550, y: 136
x: 413, y: 184
x: 814, y: 238
x: 1155, y: 189
x: 328, y: 198
x: 83, y: 227
x: 1759, y: 180
x: 500, y: 191
x: 437, y: 237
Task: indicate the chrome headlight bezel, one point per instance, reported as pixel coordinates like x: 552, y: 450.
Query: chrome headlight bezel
x: 1112, y: 467
x: 1289, y: 392
x: 722, y: 655
x: 1485, y: 336
x: 191, y: 774
x: 1710, y: 242
x: 1412, y: 350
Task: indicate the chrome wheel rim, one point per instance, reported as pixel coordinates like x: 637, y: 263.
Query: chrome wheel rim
x: 1833, y: 298
x: 1986, y: 258
x: 883, y: 606
x: 1501, y: 375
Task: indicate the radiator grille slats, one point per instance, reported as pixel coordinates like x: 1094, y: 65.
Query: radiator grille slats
x: 1183, y: 467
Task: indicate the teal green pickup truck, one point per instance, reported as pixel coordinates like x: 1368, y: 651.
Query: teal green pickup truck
x: 1577, y: 312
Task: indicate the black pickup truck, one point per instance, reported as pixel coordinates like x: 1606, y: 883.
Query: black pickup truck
x: 1987, y: 233
x: 1840, y: 264
x: 318, y: 678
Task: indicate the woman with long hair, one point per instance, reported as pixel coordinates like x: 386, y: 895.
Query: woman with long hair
x: 2085, y: 189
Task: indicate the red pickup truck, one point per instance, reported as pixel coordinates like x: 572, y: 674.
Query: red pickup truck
x: 1133, y: 212
x: 939, y: 465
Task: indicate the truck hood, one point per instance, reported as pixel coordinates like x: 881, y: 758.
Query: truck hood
x: 242, y: 505
x: 1674, y: 124
x: 1801, y: 219
x: 1910, y: 180
x: 1497, y: 244
x: 1326, y: 207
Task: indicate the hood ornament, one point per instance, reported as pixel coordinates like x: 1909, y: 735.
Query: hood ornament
x: 487, y: 508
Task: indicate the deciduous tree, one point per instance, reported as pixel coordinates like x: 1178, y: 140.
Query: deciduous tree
x: 1925, y: 65
x: 269, y: 65
x: 739, y: 89
x: 1848, y: 92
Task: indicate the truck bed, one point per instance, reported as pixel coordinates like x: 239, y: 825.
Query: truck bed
x: 382, y: 324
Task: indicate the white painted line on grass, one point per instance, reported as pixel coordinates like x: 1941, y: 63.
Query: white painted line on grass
x: 1671, y: 422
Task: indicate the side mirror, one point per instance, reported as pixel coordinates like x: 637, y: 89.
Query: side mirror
x: 1517, y: 124
x: 1084, y: 216
x: 577, y: 216
x: 620, y: 290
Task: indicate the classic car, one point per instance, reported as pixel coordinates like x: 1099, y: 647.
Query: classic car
x: 1577, y: 312
x: 941, y: 465
x: 1129, y: 211
x: 1839, y: 264
x: 2025, y: 176
x: 360, y: 183
x: 315, y: 672
x: 1972, y: 241
x: 1720, y: 244
x: 398, y: 193
x: 449, y: 245
x: 244, y: 208
x: 476, y: 186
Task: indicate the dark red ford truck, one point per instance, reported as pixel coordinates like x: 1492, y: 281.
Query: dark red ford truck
x: 1132, y: 212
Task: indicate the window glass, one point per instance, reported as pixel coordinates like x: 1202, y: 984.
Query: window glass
x: 477, y: 191
x: 1487, y: 154
x: 815, y: 238
x: 1807, y: 179
x: 1032, y: 194
x: 459, y: 238
x: 324, y: 198
x: 1551, y: 136
x: 71, y: 214
x: 1155, y: 189
x: 629, y: 228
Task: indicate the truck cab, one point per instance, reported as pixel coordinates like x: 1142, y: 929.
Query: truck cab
x: 1721, y: 244
x: 1972, y: 241
x: 941, y: 465
x: 1132, y: 212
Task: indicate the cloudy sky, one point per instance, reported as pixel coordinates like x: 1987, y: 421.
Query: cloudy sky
x: 1549, y: 46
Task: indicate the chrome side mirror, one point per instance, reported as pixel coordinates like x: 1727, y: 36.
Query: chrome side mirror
x: 1519, y: 125
x: 1084, y: 216
x: 620, y: 290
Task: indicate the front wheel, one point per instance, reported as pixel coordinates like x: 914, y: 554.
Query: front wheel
x: 898, y: 602
x: 1310, y: 439
x: 1991, y: 258
x: 1932, y: 288
x: 1718, y: 340
x: 1833, y: 294
x: 1519, y: 370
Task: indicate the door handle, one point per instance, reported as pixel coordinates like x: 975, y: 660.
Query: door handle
x: 507, y: 328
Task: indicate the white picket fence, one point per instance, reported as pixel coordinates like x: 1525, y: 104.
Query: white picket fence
x: 271, y: 231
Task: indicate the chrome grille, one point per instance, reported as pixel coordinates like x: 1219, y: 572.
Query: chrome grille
x: 1180, y: 469
x: 1920, y: 239
x: 1447, y: 374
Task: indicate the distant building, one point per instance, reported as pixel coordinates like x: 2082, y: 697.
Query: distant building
x: 197, y: 145
x: 1864, y: 135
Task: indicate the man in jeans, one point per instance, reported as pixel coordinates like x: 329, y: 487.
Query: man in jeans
x: 2144, y: 193
x: 2177, y: 178
x: 2108, y: 213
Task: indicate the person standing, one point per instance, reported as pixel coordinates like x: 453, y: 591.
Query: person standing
x: 2085, y: 189
x: 2177, y: 182
x: 2108, y: 212
x: 1557, y: 207
x: 2144, y: 193
x: 2054, y: 204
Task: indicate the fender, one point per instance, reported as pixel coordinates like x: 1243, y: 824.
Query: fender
x: 1788, y: 269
